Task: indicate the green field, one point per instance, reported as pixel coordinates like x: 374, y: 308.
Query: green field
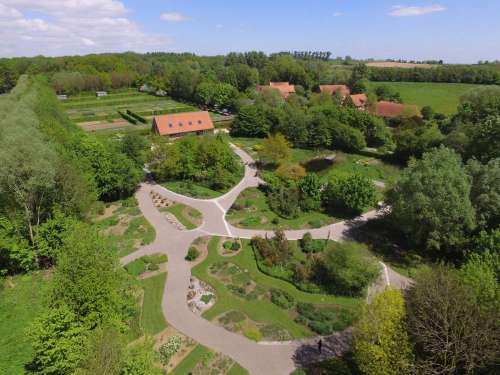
x: 21, y: 301
x: 90, y: 108
x: 254, y: 311
x: 443, y: 97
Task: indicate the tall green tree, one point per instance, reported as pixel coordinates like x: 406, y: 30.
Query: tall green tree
x: 381, y: 343
x: 431, y: 202
x: 275, y: 149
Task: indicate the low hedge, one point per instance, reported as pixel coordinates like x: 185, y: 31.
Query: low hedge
x: 128, y: 118
x: 136, y: 116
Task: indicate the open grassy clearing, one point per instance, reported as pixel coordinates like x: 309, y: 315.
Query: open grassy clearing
x: 124, y: 225
x: 22, y: 299
x: 187, y: 216
x: 243, y: 303
x: 252, y: 211
x: 443, y: 97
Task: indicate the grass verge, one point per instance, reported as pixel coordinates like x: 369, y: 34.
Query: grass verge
x: 152, y: 318
x: 22, y: 300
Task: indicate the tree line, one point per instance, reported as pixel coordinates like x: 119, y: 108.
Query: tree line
x: 51, y: 176
x: 483, y: 74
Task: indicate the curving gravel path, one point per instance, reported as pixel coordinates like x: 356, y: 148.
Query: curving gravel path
x: 257, y: 358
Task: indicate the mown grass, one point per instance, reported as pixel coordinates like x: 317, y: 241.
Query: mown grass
x: 186, y: 215
x: 192, y: 359
x: 22, y: 299
x: 260, y: 311
x: 139, y: 266
x: 443, y: 97
x: 152, y: 318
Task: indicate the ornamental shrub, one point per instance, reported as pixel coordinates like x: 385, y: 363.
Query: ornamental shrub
x: 193, y: 254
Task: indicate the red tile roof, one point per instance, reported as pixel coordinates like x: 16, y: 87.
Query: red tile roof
x: 359, y: 100
x: 392, y: 110
x: 179, y: 123
x: 343, y: 90
x: 284, y: 88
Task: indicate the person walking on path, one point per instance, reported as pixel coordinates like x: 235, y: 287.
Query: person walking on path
x: 320, y: 346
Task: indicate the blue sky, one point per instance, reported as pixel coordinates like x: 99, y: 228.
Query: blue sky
x: 454, y: 30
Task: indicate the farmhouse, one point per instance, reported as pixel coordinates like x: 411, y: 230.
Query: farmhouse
x: 178, y: 124
x: 100, y: 94
x: 62, y: 97
x: 360, y: 101
x: 343, y: 90
x: 284, y: 88
x: 393, y: 110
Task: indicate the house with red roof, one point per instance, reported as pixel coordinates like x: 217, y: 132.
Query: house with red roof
x: 392, y: 110
x: 178, y: 124
x: 342, y: 90
x: 360, y: 101
x: 284, y: 88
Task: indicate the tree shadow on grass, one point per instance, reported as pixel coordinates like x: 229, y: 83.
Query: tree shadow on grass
x: 334, y: 346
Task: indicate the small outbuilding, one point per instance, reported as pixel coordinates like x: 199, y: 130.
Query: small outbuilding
x: 62, y: 97
x: 100, y: 94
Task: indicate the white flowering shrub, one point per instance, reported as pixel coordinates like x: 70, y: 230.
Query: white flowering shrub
x: 168, y: 349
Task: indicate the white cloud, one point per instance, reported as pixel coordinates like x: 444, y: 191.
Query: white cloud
x: 61, y: 27
x: 338, y: 14
x: 411, y: 11
x: 219, y: 26
x: 174, y: 17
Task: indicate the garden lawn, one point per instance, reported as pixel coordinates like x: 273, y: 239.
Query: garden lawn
x: 126, y: 228
x: 442, y: 97
x: 22, y: 299
x: 371, y: 168
x: 191, y: 189
x: 152, y: 318
x: 256, y: 214
x: 260, y: 311
x: 299, y: 155
x: 189, y: 363
x: 187, y: 216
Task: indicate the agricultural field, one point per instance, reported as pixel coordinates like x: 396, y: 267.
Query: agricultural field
x: 443, y: 97
x: 266, y: 308
x: 395, y: 64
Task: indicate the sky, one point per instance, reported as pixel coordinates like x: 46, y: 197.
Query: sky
x: 457, y: 31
